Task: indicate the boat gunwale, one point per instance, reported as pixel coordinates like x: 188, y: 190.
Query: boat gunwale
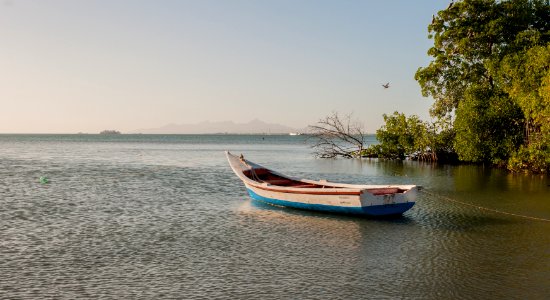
x: 309, y: 191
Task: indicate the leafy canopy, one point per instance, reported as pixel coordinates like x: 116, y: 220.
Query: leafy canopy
x: 490, y: 74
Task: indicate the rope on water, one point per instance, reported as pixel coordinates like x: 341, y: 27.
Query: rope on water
x: 423, y: 190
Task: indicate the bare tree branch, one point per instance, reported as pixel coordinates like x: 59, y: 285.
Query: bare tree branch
x: 337, y: 136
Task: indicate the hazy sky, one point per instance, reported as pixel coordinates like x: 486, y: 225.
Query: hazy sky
x: 70, y: 66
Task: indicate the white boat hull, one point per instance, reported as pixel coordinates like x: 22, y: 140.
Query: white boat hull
x: 363, y: 204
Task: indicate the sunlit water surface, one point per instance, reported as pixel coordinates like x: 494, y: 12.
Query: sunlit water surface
x: 139, y: 216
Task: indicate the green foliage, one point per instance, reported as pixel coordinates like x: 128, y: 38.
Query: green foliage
x: 397, y: 137
x: 403, y: 136
x: 490, y: 73
x: 472, y: 35
x: 372, y: 151
x: 489, y: 126
x: 525, y: 76
x: 535, y: 158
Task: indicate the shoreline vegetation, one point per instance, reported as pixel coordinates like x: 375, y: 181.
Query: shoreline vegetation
x: 490, y: 80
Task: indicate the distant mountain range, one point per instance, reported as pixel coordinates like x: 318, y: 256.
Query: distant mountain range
x: 207, y: 127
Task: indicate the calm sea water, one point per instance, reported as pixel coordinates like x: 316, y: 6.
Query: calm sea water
x: 158, y: 217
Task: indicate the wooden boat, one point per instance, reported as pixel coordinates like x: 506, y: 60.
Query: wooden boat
x: 274, y: 188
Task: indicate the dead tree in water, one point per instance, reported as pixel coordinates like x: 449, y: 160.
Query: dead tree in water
x: 335, y: 136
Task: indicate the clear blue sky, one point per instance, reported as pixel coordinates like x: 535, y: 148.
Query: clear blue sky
x: 83, y: 66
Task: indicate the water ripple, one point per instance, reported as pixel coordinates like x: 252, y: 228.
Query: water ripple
x: 114, y: 224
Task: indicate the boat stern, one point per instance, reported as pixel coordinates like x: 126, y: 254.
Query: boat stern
x: 393, y: 200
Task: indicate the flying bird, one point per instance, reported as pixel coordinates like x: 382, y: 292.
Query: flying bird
x: 387, y: 85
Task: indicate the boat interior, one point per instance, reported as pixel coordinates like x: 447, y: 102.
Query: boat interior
x: 262, y: 175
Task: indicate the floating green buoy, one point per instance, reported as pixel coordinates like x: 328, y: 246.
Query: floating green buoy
x: 44, y: 179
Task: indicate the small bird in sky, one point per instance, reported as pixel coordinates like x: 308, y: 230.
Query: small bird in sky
x: 387, y: 85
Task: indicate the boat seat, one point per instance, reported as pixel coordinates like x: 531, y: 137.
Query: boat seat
x: 305, y: 186
x: 279, y: 181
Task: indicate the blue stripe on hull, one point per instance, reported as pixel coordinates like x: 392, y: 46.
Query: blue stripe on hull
x: 374, y: 210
